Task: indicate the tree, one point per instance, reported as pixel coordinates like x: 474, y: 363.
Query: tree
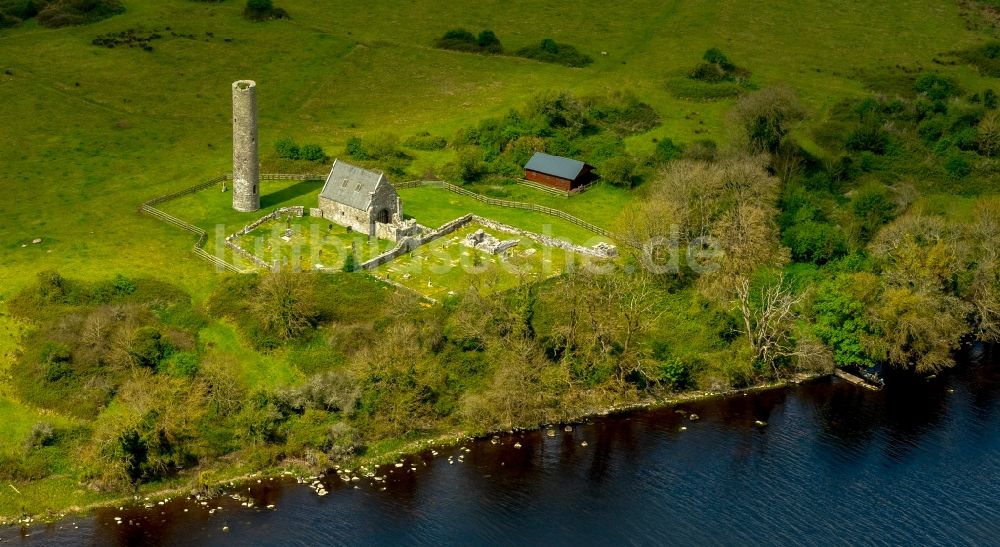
x: 873, y: 207
x: 469, y: 163
x: 147, y: 347
x: 766, y: 116
x: 920, y: 318
x: 286, y: 148
x: 313, y: 152
x: 936, y: 86
x: 619, y: 171
x: 989, y: 135
x: 350, y: 261
x: 985, y: 287
x: 920, y: 329
x: 521, y: 149
x: 842, y: 321
x: 767, y: 321
x: 666, y: 151
x: 284, y: 304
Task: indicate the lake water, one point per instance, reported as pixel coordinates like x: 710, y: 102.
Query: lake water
x: 917, y: 463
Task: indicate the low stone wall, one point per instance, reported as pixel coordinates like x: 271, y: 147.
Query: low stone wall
x: 446, y: 228
x: 247, y: 255
x: 601, y: 250
x: 408, y: 244
x: 295, y: 211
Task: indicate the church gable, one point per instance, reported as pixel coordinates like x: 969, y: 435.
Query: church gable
x: 351, y: 185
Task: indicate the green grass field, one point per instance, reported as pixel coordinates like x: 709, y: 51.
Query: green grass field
x: 311, y: 242
x: 94, y: 131
x: 446, y: 267
x: 433, y: 207
x: 88, y: 133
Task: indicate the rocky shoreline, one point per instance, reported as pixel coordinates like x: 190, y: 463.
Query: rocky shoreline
x: 298, y: 469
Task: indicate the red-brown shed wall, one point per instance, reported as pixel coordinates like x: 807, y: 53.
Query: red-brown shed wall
x: 548, y: 180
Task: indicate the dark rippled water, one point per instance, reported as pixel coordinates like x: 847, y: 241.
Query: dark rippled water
x: 918, y: 463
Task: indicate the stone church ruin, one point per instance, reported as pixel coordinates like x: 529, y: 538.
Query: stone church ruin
x: 364, y: 201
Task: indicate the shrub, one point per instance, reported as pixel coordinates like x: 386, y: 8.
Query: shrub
x: 332, y: 391
x: 259, y: 420
x: 287, y: 149
x: 56, y: 359
x: 425, y: 141
x: 181, y: 364
x: 355, y: 148
x: 989, y: 135
x: 470, y: 163
x: 666, y: 151
x: 990, y: 99
x: 868, y: 137
x: 717, y: 68
x: 932, y: 129
x: 263, y: 10
x: 7, y: 21
x: 966, y: 139
x: 549, y: 51
x: 521, y: 149
x: 873, y: 206
x: 51, y: 285
x: 379, y: 146
x: 42, y: 434
x: 314, y: 153
x: 766, y: 116
x: 716, y: 57
x: 457, y: 39
x: 619, y: 171
x: 148, y: 347
x: 350, y: 262
x: 702, y: 149
x: 112, y: 290
x: 957, y: 166
x: 816, y: 242
x: 986, y: 58
x: 488, y: 42
x: 936, y: 87
x: 622, y: 113
x: 675, y: 374
x: 708, y: 72
x: 61, y: 13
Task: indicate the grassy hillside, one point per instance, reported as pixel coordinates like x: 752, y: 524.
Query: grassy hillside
x: 94, y: 131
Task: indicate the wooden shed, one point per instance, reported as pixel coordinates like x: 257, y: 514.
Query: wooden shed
x: 558, y: 172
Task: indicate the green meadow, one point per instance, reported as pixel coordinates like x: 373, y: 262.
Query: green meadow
x: 88, y: 133
x: 447, y: 267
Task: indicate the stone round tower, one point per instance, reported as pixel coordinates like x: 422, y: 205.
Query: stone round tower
x: 246, y: 168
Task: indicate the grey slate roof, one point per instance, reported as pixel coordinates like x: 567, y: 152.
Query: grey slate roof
x: 556, y: 166
x: 350, y: 185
